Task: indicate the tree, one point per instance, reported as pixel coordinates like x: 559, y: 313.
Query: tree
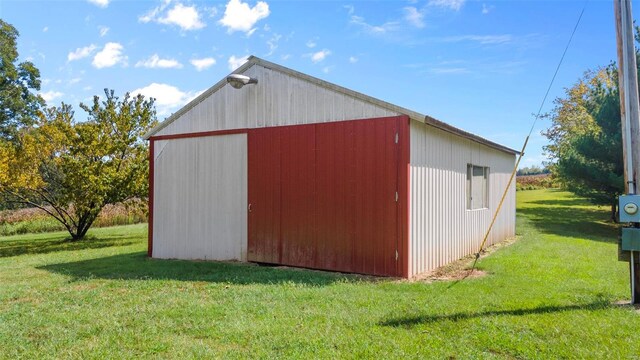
x: 71, y: 170
x: 533, y: 170
x: 586, y: 139
x: 19, y: 106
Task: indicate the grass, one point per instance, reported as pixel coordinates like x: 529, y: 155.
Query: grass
x: 549, y: 295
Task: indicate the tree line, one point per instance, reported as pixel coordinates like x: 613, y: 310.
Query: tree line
x: 71, y: 169
x: 585, y: 137
x: 68, y: 168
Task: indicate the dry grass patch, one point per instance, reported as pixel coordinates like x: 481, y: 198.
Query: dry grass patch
x: 462, y: 269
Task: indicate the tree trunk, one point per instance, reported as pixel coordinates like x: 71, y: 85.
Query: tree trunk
x: 83, y: 226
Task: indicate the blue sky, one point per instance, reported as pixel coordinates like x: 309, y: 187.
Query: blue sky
x: 483, y: 66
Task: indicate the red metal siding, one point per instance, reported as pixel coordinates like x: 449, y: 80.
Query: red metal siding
x: 324, y: 196
x: 265, y: 195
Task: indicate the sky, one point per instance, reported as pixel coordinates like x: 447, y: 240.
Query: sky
x: 482, y: 66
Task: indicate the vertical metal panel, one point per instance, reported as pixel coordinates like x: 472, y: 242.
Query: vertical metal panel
x: 337, y: 204
x: 298, y: 211
x: 441, y: 228
x: 200, y: 197
x: 265, y: 197
x: 278, y: 99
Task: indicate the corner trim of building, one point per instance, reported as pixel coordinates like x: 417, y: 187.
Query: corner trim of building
x: 405, y: 190
x: 150, y: 200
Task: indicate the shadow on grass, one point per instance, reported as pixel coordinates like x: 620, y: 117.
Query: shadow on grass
x: 587, y: 223
x: 136, y: 266
x: 562, y: 202
x: 61, y: 243
x: 411, y: 321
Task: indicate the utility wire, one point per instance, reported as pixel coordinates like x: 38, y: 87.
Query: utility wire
x: 526, y: 140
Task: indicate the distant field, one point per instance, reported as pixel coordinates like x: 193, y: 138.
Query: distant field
x: 33, y: 220
x: 534, y: 182
x: 549, y: 295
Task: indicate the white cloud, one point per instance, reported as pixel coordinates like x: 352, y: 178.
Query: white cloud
x: 482, y: 39
x: 311, y: 44
x: 155, y: 62
x: 239, y: 16
x: 152, y: 15
x: 447, y: 4
x: 100, y: 3
x: 167, y: 97
x: 327, y: 69
x: 449, y: 70
x: 204, y: 63
x: 320, y: 55
x: 350, y: 9
x: 74, y: 81
x: 374, y: 29
x: 212, y: 11
x: 103, y: 30
x: 486, y: 9
x: 45, y: 29
x: 414, y: 17
x: 353, y: 59
x: 236, y: 62
x: 51, y: 95
x: 185, y: 17
x: 285, y: 57
x: 80, y: 53
x: 273, y: 43
x: 109, y: 56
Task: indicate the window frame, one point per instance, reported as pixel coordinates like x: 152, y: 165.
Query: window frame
x: 471, y: 187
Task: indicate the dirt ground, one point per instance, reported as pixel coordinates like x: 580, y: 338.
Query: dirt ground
x: 462, y: 269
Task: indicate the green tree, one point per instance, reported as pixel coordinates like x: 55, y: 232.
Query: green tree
x: 71, y: 170
x: 19, y: 105
x: 586, y: 140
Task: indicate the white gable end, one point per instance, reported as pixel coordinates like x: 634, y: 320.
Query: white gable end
x: 277, y: 99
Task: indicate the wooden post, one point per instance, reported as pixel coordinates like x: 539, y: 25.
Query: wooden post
x: 623, y: 112
x: 630, y: 111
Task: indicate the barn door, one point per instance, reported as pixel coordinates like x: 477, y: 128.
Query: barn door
x: 324, y: 196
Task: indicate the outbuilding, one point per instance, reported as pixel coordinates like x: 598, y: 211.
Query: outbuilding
x: 290, y: 169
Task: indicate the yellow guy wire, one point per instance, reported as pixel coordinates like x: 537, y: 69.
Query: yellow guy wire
x: 504, y: 196
x: 515, y: 168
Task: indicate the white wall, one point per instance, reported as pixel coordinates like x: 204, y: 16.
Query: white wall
x: 441, y: 228
x: 200, y: 198
x: 277, y: 99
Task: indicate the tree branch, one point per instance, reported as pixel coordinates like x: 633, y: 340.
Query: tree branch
x: 29, y: 202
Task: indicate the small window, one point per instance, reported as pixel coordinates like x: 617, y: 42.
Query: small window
x: 477, y: 187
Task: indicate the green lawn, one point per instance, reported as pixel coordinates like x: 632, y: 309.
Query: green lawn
x: 549, y: 295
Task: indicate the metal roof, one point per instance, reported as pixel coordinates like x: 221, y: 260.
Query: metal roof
x: 253, y: 60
